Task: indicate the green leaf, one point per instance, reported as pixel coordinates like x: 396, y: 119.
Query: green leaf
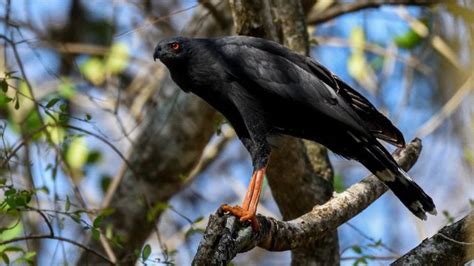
x: 77, y: 153
x: 14, y: 229
x: 63, y: 107
x: 105, y: 182
x: 66, y: 88
x: 4, y: 85
x: 94, y: 157
x: 357, y: 249
x: 94, y: 70
x: 67, y: 206
x: 98, y: 221
x: 29, y: 256
x: 13, y: 249
x: 95, y: 234
x: 361, y: 260
x: 117, y: 60
x: 5, y: 258
x: 338, y: 183
x: 156, y: 210
x: 408, y: 40
x: 146, y: 252
x: 76, y: 217
x: 52, y: 102
x: 17, y: 103
x: 10, y: 192
x: 197, y: 220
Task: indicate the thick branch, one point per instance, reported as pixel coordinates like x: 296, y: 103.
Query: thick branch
x: 341, y: 9
x: 452, y: 245
x: 224, y: 237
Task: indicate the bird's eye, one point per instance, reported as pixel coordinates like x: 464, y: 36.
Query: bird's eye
x: 175, y: 46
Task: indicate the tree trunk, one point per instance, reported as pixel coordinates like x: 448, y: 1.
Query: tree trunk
x: 299, y: 172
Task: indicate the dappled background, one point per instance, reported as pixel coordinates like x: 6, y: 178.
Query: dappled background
x: 78, y: 84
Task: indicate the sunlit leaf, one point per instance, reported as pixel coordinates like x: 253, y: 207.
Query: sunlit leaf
x: 357, y: 65
x: 66, y: 88
x: 29, y: 256
x: 77, y: 153
x: 14, y: 229
x: 55, y: 131
x: 118, y: 58
x: 408, y: 40
x: 93, y: 69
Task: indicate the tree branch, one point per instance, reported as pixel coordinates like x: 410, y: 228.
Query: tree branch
x: 225, y: 237
x: 452, y: 245
x: 332, y: 12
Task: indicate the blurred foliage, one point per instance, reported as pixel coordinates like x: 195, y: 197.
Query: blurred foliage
x: 357, y: 64
x: 96, y: 70
x: 408, y: 40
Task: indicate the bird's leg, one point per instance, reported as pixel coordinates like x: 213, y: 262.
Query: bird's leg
x: 249, y: 207
x: 252, y: 210
x: 249, y: 193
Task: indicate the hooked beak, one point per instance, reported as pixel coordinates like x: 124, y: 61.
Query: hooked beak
x: 157, y: 53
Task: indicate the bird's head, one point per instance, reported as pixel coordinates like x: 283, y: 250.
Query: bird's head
x: 173, y: 49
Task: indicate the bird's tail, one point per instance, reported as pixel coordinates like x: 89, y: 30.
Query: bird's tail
x: 382, y: 164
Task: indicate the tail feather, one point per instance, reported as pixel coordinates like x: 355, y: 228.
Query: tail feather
x: 382, y: 164
x: 409, y: 193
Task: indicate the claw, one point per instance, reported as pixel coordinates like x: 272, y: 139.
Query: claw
x: 243, y: 215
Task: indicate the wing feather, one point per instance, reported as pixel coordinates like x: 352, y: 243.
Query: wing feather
x: 302, y: 78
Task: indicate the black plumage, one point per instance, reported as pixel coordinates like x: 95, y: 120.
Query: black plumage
x: 265, y: 89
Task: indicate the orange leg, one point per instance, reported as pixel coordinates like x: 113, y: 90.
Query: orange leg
x: 249, y: 193
x: 249, y: 207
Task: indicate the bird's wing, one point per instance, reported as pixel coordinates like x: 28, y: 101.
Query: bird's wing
x: 299, y: 78
x: 378, y: 124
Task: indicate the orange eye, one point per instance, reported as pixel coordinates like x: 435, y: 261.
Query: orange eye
x: 175, y: 46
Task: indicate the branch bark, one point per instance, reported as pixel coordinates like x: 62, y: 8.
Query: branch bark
x: 334, y: 11
x: 452, y: 245
x: 225, y: 237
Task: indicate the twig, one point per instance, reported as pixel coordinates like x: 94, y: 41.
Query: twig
x: 370, y: 257
x: 59, y: 238
x: 436, y: 120
x: 342, y: 9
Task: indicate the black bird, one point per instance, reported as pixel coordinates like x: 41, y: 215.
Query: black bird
x: 265, y: 89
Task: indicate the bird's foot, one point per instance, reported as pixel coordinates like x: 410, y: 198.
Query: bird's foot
x: 243, y: 215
